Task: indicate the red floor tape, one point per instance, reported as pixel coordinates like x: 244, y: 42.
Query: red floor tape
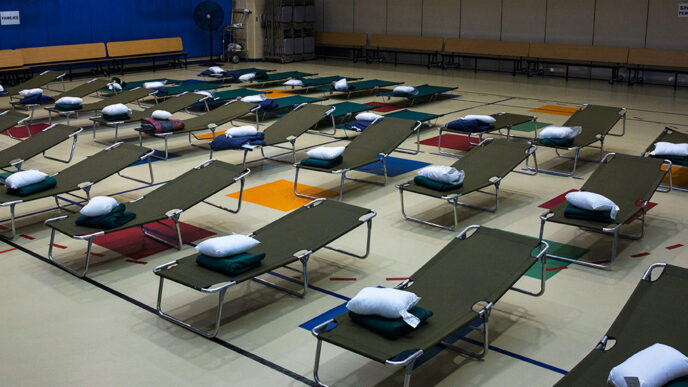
x: 342, y: 279
x: 676, y: 246
x: 640, y: 255
x: 548, y: 205
x: 133, y: 244
x: 20, y: 131
x: 450, y: 141
x: 556, y: 268
x: 396, y: 278
x: 8, y: 250
x: 383, y: 107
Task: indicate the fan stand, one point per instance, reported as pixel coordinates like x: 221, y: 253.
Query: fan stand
x: 211, y: 59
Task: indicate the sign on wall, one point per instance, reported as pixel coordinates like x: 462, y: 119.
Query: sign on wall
x: 9, y: 18
x: 682, y: 9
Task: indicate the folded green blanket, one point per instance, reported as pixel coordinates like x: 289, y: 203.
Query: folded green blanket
x: 567, y: 142
x: 232, y: 265
x: 47, y: 183
x: 66, y: 107
x: 676, y: 160
x: 392, y: 328
x: 680, y: 382
x: 320, y: 163
x: 116, y: 117
x: 113, y: 219
x: 574, y: 212
x: 434, y: 184
x: 4, y: 175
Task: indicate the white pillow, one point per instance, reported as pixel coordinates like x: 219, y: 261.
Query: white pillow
x: 227, y: 245
x: 481, y: 118
x: 247, y: 77
x: 24, y: 178
x: 118, y: 108
x: 385, y: 302
x: 553, y: 131
x: 293, y: 82
x: 154, y: 85
x: 405, y: 89
x: 326, y: 152
x: 254, y: 98
x: 367, y: 116
x: 99, y: 205
x: 341, y: 85
x: 161, y: 115
x: 670, y: 149
x: 70, y: 100
x: 203, y: 92
x: 1, y: 89
x: 443, y: 174
x: 30, y: 92
x: 655, y: 365
x: 216, y: 69
x: 241, y: 131
x: 114, y: 86
x: 592, y: 201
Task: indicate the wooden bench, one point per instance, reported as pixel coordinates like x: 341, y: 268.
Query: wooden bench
x: 455, y: 48
x: 12, y: 69
x: 649, y: 59
x: 353, y: 40
x: 424, y: 45
x: 577, y: 55
x: 65, y: 56
x: 121, y: 52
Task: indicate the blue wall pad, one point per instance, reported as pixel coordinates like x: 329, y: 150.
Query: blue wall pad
x: 395, y: 167
x: 157, y: 153
x: 58, y: 22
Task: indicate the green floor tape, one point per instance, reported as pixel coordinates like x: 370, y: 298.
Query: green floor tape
x: 528, y: 126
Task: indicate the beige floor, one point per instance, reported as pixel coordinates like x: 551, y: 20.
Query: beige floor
x: 61, y: 330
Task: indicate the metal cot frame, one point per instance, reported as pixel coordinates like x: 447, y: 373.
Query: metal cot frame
x: 173, y: 214
x: 577, y: 149
x: 453, y: 199
x: 20, y: 122
x: 291, y: 140
x: 480, y: 136
x: 221, y: 289
x: 382, y: 157
x: 85, y: 186
x: 483, y: 316
x: 615, y: 230
x: 211, y: 127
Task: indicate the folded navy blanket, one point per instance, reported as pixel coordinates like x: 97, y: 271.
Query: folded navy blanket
x: 206, y: 73
x: 38, y: 99
x: 469, y: 126
x: 47, y: 183
x: 116, y: 117
x: 574, y: 212
x: 223, y: 142
x: 115, y: 218
x: 268, y: 104
x: 358, y: 126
